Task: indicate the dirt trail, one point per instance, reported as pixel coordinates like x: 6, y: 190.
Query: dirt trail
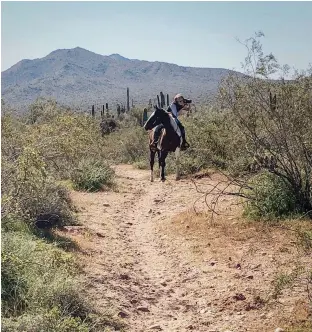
x: 142, y: 255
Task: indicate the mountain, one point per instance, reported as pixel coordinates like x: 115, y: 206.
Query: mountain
x: 78, y: 77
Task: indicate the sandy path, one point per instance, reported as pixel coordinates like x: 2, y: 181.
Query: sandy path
x: 160, y: 280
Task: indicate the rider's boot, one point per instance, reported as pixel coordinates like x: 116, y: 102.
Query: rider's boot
x: 185, y: 145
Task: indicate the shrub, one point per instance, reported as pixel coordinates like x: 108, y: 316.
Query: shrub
x: 28, y: 265
x: 39, y: 289
x: 209, y: 140
x: 30, y: 194
x: 274, y: 118
x: 92, y: 175
x: 270, y: 197
x: 129, y: 145
x: 52, y: 321
x: 60, y: 136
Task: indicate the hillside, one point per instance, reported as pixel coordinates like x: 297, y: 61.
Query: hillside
x: 82, y: 78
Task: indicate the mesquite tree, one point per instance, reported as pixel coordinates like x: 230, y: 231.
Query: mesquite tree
x: 274, y: 117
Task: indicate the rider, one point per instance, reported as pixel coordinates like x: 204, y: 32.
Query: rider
x: 177, y: 105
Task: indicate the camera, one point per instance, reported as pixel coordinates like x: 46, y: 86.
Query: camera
x: 187, y: 101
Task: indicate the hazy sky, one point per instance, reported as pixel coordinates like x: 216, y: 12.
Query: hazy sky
x: 199, y: 34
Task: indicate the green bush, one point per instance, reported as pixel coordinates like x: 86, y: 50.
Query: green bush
x: 30, y: 194
x: 40, y: 290
x: 52, y: 321
x: 270, y: 197
x: 61, y: 137
x: 92, y: 175
x: 129, y: 145
x: 211, y: 139
x: 55, y: 321
x: 28, y: 266
x: 274, y: 121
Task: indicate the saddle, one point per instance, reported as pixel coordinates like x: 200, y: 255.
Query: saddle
x: 158, y: 128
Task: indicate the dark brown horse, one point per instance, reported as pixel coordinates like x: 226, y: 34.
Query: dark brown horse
x: 169, y: 140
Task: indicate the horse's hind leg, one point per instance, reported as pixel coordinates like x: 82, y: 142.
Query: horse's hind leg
x: 162, y: 164
x: 152, y: 160
x: 177, y: 157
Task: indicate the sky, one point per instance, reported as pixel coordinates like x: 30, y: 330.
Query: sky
x: 187, y: 33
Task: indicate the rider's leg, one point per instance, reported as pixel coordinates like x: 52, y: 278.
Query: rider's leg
x: 184, y: 144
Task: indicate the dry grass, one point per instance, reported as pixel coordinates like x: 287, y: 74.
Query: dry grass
x: 274, y: 257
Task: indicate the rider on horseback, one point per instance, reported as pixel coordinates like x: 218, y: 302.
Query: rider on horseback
x: 178, y: 104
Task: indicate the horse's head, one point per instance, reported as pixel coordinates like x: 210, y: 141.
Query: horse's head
x: 157, y: 117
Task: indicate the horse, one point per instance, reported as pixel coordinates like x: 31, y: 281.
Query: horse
x: 169, y: 140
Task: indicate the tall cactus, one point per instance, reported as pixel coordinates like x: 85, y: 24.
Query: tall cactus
x: 128, y: 100
x: 158, y: 101
x: 162, y: 99
x: 92, y: 111
x: 167, y: 99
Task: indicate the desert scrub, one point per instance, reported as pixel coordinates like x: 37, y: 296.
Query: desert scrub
x: 92, y: 175
x: 61, y: 137
x: 274, y: 119
x: 30, y: 265
x: 32, y: 195
x: 129, y: 145
x: 40, y: 290
x: 269, y: 197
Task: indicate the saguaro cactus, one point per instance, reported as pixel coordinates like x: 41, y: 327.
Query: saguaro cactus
x: 92, y: 111
x: 162, y: 99
x: 123, y: 109
x: 128, y: 100
x: 158, y: 101
x: 167, y: 99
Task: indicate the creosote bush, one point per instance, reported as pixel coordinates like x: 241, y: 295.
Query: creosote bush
x: 129, y: 145
x: 92, y: 175
x: 269, y: 197
x: 30, y: 194
x: 40, y: 289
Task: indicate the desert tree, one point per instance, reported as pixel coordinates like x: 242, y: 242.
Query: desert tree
x: 272, y: 115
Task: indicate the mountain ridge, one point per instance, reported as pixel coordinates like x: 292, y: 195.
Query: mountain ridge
x: 79, y: 77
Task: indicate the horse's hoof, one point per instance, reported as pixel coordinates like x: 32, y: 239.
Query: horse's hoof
x: 177, y: 178
x: 162, y: 179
